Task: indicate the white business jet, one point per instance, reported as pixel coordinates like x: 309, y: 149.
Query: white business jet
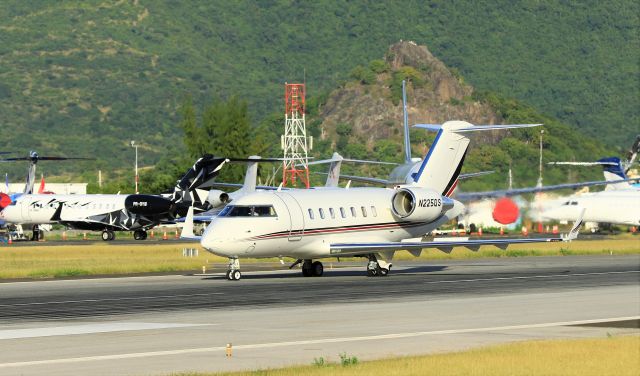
x: 367, y: 222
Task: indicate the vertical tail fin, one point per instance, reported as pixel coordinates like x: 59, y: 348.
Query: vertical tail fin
x: 333, y: 176
x: 407, y: 140
x: 442, y: 164
x: 251, y: 176
x: 613, y: 170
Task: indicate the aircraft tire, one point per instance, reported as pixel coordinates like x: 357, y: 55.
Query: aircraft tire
x: 307, y: 268
x: 139, y: 234
x: 112, y: 235
x: 317, y: 269
x: 372, y: 272
x: 236, y: 275
x: 106, y: 236
x: 383, y: 272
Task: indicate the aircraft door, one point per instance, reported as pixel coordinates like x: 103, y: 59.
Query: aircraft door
x: 296, y: 218
x: 25, y: 210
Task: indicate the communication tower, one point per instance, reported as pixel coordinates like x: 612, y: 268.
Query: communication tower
x: 294, y: 140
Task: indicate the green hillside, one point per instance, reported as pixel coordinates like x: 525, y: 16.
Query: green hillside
x: 85, y: 78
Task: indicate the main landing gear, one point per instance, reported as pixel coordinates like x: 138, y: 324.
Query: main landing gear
x: 233, y: 273
x: 37, y: 233
x: 312, y: 268
x: 377, y: 268
x: 108, y: 235
x: 139, y: 234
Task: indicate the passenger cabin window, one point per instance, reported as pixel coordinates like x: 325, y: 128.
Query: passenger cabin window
x: 353, y: 212
x: 321, y: 213
x: 311, y: 213
x: 364, y: 211
x: 343, y: 213
x: 248, y: 211
x: 373, y: 211
x: 332, y: 213
x: 574, y: 202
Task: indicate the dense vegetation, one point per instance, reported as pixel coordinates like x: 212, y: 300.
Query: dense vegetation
x: 84, y: 79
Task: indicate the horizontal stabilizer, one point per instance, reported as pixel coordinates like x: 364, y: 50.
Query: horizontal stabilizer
x: 437, y: 127
x: 474, y: 174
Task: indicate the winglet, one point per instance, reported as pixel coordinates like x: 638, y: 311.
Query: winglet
x: 573, y: 234
x: 187, y: 229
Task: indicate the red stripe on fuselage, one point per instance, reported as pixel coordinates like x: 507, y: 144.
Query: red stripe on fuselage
x: 334, y: 230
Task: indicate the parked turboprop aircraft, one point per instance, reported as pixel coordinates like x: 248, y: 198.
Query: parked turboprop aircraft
x: 109, y: 213
x: 367, y: 222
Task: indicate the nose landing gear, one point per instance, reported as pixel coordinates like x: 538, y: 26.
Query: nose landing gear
x: 233, y: 273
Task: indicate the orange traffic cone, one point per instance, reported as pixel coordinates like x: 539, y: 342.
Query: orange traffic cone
x: 164, y: 236
x: 479, y: 231
x: 84, y: 236
x: 525, y: 231
x: 10, y: 241
x: 64, y: 235
x: 555, y: 229
x: 501, y: 230
x: 151, y: 235
x: 177, y: 235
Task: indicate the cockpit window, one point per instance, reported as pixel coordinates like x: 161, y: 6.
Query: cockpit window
x: 248, y: 211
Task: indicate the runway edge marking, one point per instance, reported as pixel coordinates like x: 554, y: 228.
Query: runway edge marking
x: 310, y: 342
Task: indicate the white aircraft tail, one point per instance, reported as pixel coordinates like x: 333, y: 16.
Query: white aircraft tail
x: 441, y: 166
x: 251, y: 176
x: 612, y: 168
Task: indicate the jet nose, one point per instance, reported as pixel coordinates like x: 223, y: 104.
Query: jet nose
x: 5, y: 201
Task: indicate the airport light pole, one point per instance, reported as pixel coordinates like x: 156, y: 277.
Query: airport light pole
x: 135, y: 146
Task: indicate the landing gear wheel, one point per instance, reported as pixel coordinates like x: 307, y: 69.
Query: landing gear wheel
x: 228, y: 275
x: 372, y: 272
x: 307, y: 268
x: 317, y: 269
x: 234, y: 275
x: 108, y: 235
x: 139, y: 235
x: 383, y: 272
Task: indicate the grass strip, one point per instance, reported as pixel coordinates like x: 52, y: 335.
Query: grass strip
x: 57, y: 261
x: 618, y: 355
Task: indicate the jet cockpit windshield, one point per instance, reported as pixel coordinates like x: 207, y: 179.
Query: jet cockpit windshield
x: 248, y: 211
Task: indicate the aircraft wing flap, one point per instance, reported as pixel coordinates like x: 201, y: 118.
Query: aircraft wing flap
x: 445, y: 246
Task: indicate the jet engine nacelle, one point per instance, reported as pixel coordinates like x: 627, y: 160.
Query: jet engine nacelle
x: 419, y: 204
x: 217, y: 198
x: 147, y: 204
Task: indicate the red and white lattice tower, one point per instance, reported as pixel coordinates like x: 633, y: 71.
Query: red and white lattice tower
x: 294, y: 140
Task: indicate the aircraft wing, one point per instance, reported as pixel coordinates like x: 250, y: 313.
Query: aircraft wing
x: 468, y: 196
x: 349, y: 249
x: 445, y: 245
x: 239, y: 185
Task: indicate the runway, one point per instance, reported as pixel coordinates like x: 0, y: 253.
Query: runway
x: 158, y: 325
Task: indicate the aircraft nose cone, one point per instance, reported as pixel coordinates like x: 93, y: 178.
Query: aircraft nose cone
x: 5, y: 200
